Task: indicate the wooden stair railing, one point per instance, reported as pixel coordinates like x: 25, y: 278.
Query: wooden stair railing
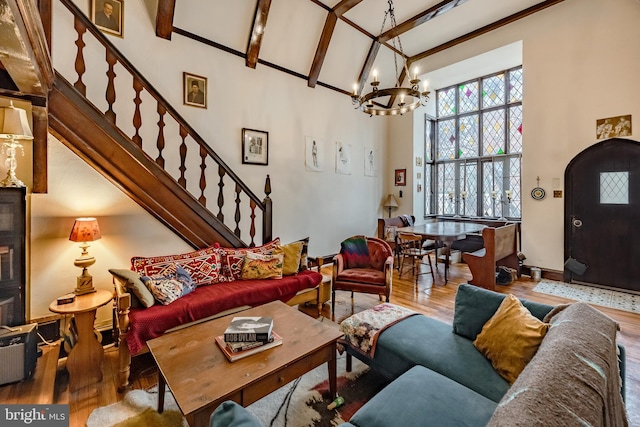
x: 163, y: 178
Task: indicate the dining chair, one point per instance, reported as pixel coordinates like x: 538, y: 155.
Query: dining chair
x: 411, y: 246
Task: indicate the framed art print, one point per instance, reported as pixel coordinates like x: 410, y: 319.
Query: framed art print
x: 255, y: 147
x: 194, y: 90
x: 108, y: 16
x: 401, y: 177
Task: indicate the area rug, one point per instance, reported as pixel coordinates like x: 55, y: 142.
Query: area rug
x: 591, y: 294
x: 138, y: 408
x: 301, y: 403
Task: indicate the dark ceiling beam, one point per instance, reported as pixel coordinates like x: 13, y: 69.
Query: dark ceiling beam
x: 164, y: 18
x: 384, y: 38
x: 257, y: 30
x: 420, y: 19
x: 325, y: 38
x: 368, y: 64
x: 486, y: 29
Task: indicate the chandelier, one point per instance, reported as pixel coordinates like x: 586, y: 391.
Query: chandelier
x: 409, y: 98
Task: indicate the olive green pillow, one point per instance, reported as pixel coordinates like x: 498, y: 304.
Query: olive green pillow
x: 292, y: 253
x: 511, y: 338
x: 132, y: 282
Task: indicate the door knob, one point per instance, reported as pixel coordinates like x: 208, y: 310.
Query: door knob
x: 577, y: 223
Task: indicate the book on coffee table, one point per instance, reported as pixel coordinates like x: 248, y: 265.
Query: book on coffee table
x: 249, y: 329
x: 233, y: 356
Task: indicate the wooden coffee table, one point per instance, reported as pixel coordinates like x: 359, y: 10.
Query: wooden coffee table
x: 201, y: 378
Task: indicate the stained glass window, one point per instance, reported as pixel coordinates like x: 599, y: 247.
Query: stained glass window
x: 468, y: 97
x: 493, y: 91
x: 446, y: 140
x: 468, y: 131
x: 476, y: 169
x: 447, y: 102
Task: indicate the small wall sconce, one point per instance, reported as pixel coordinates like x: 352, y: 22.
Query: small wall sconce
x: 85, y: 230
x: 15, y: 127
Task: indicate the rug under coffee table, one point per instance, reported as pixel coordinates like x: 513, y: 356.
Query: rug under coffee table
x: 200, y: 377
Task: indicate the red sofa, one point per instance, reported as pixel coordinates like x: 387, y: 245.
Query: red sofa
x: 135, y: 326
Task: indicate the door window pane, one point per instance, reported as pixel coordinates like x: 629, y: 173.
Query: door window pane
x: 614, y: 188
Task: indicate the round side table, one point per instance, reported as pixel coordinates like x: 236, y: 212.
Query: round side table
x: 85, y: 359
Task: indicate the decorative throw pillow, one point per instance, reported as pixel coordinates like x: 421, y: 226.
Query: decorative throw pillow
x: 133, y: 283
x: 511, y: 338
x: 291, y: 252
x: 355, y: 252
x: 257, y: 266
x: 202, y: 265
x: 167, y: 289
x: 233, y: 258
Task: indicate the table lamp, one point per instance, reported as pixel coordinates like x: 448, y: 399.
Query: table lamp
x: 15, y: 127
x: 391, y: 202
x: 84, y: 230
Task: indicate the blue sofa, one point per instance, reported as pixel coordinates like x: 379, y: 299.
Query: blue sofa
x: 440, y: 379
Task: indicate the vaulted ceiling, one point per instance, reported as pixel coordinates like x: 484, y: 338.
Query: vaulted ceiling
x: 336, y: 43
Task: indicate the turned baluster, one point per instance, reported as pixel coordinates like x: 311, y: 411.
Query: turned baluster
x: 110, y: 94
x: 137, y: 117
x: 237, y: 215
x: 267, y: 218
x: 203, y: 177
x: 183, y: 158
x: 160, y: 143
x: 221, y: 173
x: 79, y: 64
x: 252, y: 228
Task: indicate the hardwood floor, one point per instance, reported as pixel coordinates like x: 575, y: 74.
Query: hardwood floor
x: 435, y: 301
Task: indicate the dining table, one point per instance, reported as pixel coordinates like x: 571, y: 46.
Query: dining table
x: 445, y: 232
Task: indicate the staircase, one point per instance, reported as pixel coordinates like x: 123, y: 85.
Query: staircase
x: 160, y: 175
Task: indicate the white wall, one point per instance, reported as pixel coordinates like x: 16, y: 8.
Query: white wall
x: 323, y: 205
x: 580, y: 64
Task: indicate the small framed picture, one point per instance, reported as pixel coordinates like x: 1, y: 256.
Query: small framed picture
x: 255, y: 147
x: 108, y: 16
x: 390, y: 232
x: 401, y: 177
x: 194, y: 90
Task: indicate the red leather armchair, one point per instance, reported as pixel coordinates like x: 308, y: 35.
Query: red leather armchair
x: 374, y: 279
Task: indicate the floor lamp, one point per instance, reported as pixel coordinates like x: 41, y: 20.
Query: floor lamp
x: 391, y: 202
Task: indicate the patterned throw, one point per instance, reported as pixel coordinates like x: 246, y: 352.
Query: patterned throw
x: 361, y: 330
x: 355, y: 252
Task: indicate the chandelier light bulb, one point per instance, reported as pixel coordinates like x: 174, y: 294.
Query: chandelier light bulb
x: 375, y: 75
x: 355, y: 89
x: 415, y: 73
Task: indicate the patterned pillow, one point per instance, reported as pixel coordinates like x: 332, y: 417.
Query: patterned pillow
x: 168, y: 288
x: 202, y: 265
x: 233, y: 258
x: 355, y: 252
x: 257, y: 266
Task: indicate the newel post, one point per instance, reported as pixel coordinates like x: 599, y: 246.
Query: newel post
x: 267, y: 216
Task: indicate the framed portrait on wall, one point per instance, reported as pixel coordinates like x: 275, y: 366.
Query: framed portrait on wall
x: 401, y: 177
x: 255, y: 147
x: 194, y: 90
x: 108, y: 16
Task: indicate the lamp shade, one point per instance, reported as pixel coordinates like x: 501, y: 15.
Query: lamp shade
x: 391, y: 202
x: 15, y: 123
x: 85, y: 230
